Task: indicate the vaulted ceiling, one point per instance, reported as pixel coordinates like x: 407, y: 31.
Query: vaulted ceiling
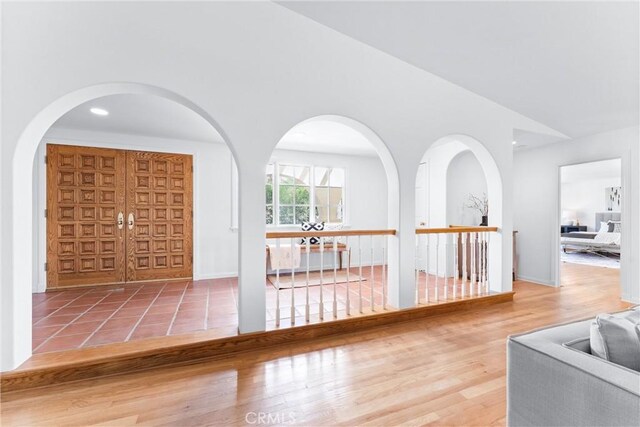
x: 573, y: 66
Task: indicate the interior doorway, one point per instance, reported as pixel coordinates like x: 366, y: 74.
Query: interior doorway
x: 591, y: 205
x: 116, y: 216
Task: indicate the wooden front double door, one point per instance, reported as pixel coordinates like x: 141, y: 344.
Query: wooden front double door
x: 116, y: 216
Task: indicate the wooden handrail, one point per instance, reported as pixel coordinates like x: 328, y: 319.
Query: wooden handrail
x: 455, y: 230
x: 332, y: 233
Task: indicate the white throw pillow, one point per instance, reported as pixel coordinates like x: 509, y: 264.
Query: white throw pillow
x: 604, y: 227
x: 616, y: 338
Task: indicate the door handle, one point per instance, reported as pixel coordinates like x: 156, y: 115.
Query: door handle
x: 120, y: 220
x: 130, y: 221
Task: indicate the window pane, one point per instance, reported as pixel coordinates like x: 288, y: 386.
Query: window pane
x: 321, y: 176
x: 322, y: 196
x: 286, y: 174
x: 286, y: 194
x: 335, y: 214
x: 322, y: 214
x: 337, y: 177
x: 335, y: 196
x: 286, y: 214
x: 302, y: 195
x: 302, y: 214
x: 302, y: 175
x: 269, y: 194
x: 269, y: 174
x: 269, y: 214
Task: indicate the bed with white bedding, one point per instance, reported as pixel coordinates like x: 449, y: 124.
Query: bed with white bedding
x: 605, y: 241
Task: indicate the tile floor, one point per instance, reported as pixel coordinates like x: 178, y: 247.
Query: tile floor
x: 89, y: 317
x: 93, y: 316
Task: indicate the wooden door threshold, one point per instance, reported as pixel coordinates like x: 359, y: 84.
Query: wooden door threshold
x: 73, y: 365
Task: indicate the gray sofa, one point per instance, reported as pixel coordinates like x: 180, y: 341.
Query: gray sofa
x: 554, y: 380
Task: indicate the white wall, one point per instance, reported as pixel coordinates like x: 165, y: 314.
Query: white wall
x: 215, y: 244
x: 366, y: 195
x: 237, y: 65
x: 465, y: 176
x: 537, y: 204
x: 587, y: 197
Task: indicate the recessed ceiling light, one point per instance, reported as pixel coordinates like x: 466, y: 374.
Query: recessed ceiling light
x: 514, y: 142
x: 99, y: 111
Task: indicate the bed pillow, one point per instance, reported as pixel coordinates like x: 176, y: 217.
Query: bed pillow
x: 617, y: 226
x: 604, y: 227
x: 616, y: 338
x: 312, y: 226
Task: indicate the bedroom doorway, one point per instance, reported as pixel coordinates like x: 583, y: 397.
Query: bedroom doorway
x: 591, y: 200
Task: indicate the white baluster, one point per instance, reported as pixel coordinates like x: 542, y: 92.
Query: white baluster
x: 465, y: 245
x: 321, y: 278
x: 335, y: 278
x: 348, y: 271
x: 484, y: 259
x: 426, y: 270
x: 455, y: 266
x: 479, y: 266
x: 371, y: 285
x: 417, y: 268
x: 307, y: 315
x: 446, y: 266
x: 436, y: 290
x: 293, y: 284
x: 487, y: 275
x: 278, y: 283
x: 360, y: 273
x: 473, y: 264
x: 384, y: 272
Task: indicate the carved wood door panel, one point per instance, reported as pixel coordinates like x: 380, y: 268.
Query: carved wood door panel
x: 159, y: 216
x: 85, y: 193
x: 116, y: 216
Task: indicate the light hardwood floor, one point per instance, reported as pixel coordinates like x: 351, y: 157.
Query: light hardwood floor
x: 444, y: 370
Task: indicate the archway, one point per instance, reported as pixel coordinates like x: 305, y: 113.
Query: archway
x: 18, y: 313
x: 433, y: 198
x: 334, y: 173
x: 466, y: 186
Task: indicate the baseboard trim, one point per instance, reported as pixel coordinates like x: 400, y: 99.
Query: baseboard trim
x: 630, y: 300
x: 536, y: 281
x: 61, y: 367
x: 212, y: 276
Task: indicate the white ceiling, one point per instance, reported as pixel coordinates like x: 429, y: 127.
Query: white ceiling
x: 158, y: 117
x: 145, y: 115
x: 592, y: 170
x: 570, y: 65
x: 326, y: 137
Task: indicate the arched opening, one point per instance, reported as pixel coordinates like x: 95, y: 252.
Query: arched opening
x: 458, y: 184
x: 330, y: 174
x: 130, y: 189
x: 466, y: 185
